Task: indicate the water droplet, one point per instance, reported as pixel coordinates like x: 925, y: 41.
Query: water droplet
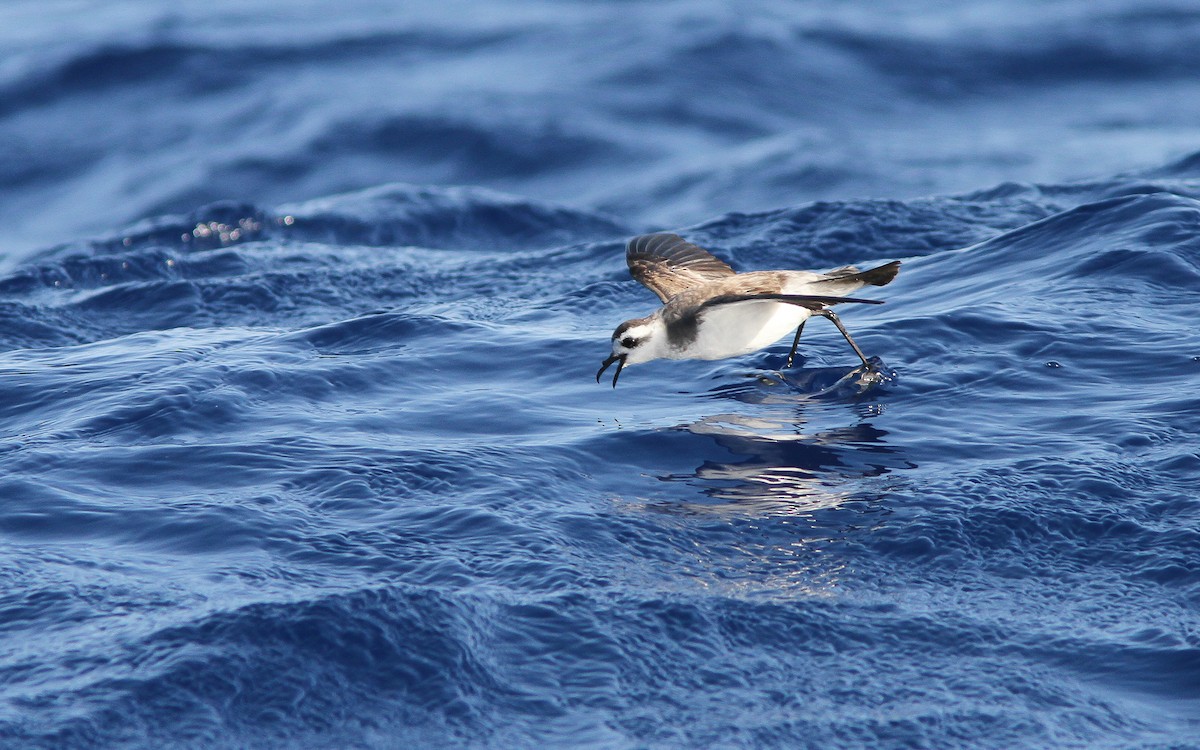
x: 1054, y: 364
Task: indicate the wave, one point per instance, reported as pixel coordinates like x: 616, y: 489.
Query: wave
x: 338, y: 473
x: 1107, y: 47
x: 398, y: 664
x: 158, y: 58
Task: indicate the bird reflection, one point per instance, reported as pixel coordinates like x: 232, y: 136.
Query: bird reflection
x: 791, y: 455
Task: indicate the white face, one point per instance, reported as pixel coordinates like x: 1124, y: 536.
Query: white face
x: 635, y: 344
x: 634, y: 341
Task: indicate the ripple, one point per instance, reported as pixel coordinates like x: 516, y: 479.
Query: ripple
x: 336, y: 473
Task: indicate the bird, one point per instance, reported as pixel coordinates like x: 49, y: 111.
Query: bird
x: 712, y: 312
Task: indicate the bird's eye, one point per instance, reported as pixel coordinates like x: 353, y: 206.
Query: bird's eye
x: 628, y: 342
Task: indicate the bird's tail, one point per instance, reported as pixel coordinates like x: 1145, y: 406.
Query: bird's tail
x: 875, y: 277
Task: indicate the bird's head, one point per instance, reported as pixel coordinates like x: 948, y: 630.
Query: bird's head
x: 633, y: 342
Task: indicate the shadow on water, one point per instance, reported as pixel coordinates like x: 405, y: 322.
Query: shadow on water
x: 803, y: 445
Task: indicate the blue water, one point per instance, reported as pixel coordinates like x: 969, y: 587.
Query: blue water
x: 300, y: 445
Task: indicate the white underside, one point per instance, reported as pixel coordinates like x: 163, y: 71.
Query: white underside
x: 743, y: 327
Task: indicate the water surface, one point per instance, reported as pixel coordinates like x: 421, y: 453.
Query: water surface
x: 300, y: 444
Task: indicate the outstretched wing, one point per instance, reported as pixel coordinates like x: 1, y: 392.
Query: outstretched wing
x: 809, y: 301
x: 667, y: 264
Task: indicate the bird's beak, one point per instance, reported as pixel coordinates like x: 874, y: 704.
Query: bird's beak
x: 620, y: 360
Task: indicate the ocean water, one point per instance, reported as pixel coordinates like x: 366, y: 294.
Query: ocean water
x: 302, y: 303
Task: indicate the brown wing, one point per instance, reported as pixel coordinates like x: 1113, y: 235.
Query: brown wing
x: 667, y: 264
x: 810, y: 301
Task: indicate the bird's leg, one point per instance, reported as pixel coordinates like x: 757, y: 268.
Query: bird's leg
x: 795, y: 343
x: 833, y: 318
